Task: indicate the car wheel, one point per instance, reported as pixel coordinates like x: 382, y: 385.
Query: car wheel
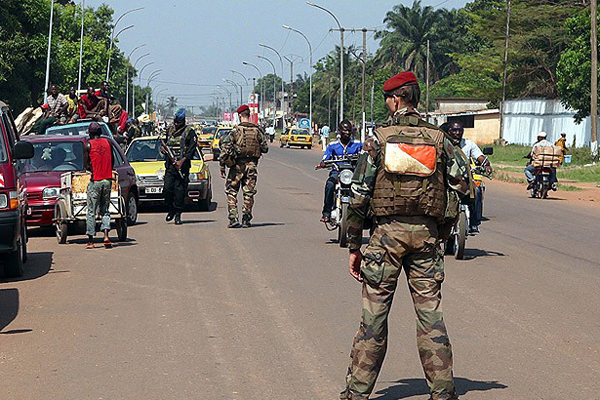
x: 281, y: 144
x: 122, y: 229
x: 62, y: 229
x: 204, y: 204
x: 309, y: 147
x: 24, y: 240
x: 13, y: 267
x: 132, y: 209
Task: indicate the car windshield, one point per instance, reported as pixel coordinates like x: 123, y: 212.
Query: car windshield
x: 75, y: 130
x: 223, y: 132
x: 209, y: 130
x: 54, y: 156
x: 147, y: 150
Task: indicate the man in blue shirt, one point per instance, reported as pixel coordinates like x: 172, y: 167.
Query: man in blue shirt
x: 338, y: 149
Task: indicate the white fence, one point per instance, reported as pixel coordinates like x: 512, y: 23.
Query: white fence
x: 524, y: 119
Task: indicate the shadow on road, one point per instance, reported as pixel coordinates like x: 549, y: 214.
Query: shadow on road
x: 406, y: 388
x: 9, y: 299
x: 471, y: 254
x: 37, y: 265
x: 161, y: 208
x: 265, y: 224
x: 196, y: 221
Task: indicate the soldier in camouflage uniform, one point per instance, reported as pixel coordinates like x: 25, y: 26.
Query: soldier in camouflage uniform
x: 182, y: 141
x: 402, y: 181
x: 240, y: 151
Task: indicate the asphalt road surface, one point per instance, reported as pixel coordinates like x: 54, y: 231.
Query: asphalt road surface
x: 203, y: 312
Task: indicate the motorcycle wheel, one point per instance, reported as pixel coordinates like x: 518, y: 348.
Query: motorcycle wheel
x: 449, y: 249
x: 343, y: 227
x: 461, y: 237
x: 544, y: 192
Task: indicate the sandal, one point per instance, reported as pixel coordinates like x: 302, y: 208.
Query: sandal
x: 89, y: 246
x: 107, y: 244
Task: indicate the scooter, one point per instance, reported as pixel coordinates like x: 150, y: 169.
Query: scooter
x: 542, y: 182
x: 345, y: 167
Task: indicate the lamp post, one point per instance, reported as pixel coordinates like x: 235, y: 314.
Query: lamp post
x: 81, y: 45
x: 246, y: 79
x: 274, y: 77
x: 127, y: 81
x: 235, y: 85
x: 282, y: 88
x: 228, y: 92
x: 112, y: 41
x: 140, y: 82
x: 49, y: 49
x: 311, y: 72
x: 262, y: 93
x: 341, y: 29
x: 152, y: 76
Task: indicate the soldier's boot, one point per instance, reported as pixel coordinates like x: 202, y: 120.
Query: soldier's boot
x: 178, y: 219
x: 346, y: 395
x: 233, y: 223
x: 246, y: 221
x: 444, y: 397
x: 170, y: 216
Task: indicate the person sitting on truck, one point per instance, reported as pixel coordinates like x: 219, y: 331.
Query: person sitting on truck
x: 92, y: 105
x: 73, y: 107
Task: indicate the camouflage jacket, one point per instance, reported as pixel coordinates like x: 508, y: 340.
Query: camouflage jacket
x: 228, y: 142
x: 363, y: 182
x: 183, y: 142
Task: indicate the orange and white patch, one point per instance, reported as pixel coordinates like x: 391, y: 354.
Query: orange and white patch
x: 410, y: 159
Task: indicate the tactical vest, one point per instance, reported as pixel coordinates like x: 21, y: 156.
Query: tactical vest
x: 176, y: 139
x: 247, y: 141
x: 410, y: 178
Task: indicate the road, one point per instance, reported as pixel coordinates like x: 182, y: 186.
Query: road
x: 203, y: 312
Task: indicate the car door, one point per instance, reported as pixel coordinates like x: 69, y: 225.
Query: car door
x: 126, y: 174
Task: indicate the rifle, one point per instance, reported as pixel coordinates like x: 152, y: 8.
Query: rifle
x: 170, y: 156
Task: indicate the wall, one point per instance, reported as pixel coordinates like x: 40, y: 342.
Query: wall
x: 524, y: 119
x: 459, y: 105
x: 486, y: 130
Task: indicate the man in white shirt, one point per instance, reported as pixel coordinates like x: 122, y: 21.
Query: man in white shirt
x: 472, y: 151
x: 530, y: 169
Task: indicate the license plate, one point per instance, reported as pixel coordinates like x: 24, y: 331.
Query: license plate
x: 301, y: 138
x: 154, y: 190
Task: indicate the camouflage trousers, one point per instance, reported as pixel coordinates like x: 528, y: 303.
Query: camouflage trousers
x: 398, y: 243
x: 244, y: 174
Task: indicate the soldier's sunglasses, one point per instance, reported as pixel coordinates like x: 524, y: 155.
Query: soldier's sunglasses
x: 387, y: 96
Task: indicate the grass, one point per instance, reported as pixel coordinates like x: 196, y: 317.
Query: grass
x: 580, y: 174
x: 512, y: 154
x: 568, y: 188
x: 504, y: 177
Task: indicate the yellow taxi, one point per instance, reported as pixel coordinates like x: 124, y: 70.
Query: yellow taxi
x: 296, y: 137
x: 221, y: 131
x: 206, y: 136
x: 149, y: 164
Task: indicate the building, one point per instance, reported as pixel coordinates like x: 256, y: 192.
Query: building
x: 482, y: 125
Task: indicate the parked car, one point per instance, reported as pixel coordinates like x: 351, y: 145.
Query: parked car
x: 13, y: 199
x: 149, y: 164
x: 216, y: 144
x: 77, y: 129
x: 296, y: 137
x: 55, y: 155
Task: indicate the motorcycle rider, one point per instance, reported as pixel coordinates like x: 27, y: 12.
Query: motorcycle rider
x: 338, y: 149
x: 530, y: 169
x: 472, y: 151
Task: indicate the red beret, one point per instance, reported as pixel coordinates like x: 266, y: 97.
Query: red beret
x: 399, y: 80
x: 242, y: 109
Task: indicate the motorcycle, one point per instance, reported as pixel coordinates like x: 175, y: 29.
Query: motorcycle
x: 542, y: 182
x: 456, y: 243
x: 345, y: 167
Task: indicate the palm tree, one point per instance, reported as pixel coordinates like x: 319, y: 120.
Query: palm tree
x: 171, y: 104
x: 405, y: 43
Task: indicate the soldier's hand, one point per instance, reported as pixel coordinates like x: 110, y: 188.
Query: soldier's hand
x: 179, y: 164
x: 354, y: 264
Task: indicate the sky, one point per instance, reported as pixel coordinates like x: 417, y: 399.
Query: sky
x: 197, y: 42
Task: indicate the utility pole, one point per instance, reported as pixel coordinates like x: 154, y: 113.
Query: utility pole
x: 341, y: 102
x: 427, y: 83
x: 594, y: 83
x: 505, y: 67
x: 81, y: 44
x: 372, y: 100
x: 49, y: 50
x: 291, y: 61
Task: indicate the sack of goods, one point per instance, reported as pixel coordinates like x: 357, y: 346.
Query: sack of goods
x: 548, y: 156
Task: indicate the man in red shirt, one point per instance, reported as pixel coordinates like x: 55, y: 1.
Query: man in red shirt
x: 99, y: 160
x: 92, y: 105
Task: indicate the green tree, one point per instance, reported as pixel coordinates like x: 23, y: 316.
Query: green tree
x: 575, y: 65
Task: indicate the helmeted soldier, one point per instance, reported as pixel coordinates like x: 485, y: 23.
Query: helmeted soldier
x: 181, y: 142
x: 404, y: 180
x: 240, y: 151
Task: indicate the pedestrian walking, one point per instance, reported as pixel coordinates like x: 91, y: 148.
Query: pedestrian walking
x: 99, y: 160
x: 180, y: 147
x: 405, y: 175
x: 241, y: 150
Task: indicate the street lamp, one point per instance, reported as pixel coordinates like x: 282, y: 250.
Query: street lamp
x: 311, y: 71
x: 112, y: 41
x: 262, y: 92
x: 228, y: 92
x: 243, y: 76
x: 49, y: 49
x: 127, y: 76
x: 152, y: 76
x: 235, y: 85
x: 113, y: 37
x: 140, y: 82
x: 282, y: 88
x: 341, y: 55
x: 81, y: 44
x: 274, y: 78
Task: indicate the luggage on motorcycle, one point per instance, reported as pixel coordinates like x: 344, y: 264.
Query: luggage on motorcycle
x: 546, y: 156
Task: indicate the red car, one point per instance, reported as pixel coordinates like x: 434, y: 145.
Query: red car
x: 55, y: 155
